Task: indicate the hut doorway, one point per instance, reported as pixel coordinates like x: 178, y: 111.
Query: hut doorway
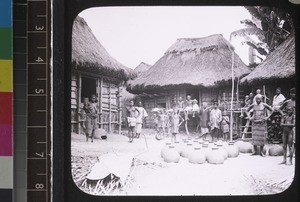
x: 193, y: 92
x: 88, y: 87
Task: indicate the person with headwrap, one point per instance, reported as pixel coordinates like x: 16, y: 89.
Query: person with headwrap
x: 259, y: 123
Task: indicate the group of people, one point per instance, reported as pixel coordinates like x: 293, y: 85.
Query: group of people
x: 258, y: 112
x: 135, y: 118
x: 211, y: 119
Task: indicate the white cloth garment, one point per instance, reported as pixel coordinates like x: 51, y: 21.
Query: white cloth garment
x: 278, y: 100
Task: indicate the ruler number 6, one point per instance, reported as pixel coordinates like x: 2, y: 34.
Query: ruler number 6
x: 40, y: 155
x: 39, y: 28
x: 39, y: 186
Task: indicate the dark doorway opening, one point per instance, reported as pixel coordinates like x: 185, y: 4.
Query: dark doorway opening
x: 88, y: 87
x: 194, y: 93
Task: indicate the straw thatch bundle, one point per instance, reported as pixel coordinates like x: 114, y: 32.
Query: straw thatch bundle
x: 280, y: 64
x: 90, y: 56
x: 142, y: 67
x: 192, y: 61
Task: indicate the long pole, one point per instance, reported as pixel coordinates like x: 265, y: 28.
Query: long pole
x: 232, y: 92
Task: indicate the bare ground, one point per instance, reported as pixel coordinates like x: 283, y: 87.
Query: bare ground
x: 244, y: 175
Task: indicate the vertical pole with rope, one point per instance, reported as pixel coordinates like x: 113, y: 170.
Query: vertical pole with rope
x: 232, y: 92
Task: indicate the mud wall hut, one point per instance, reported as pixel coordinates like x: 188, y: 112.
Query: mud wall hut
x: 200, y: 67
x: 94, y: 71
x: 277, y: 70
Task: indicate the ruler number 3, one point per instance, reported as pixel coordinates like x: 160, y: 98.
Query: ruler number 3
x: 39, y: 28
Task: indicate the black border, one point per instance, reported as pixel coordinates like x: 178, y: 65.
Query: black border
x: 64, y: 12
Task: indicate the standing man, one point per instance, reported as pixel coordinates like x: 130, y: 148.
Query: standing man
x: 91, y: 111
x: 131, y: 119
x: 140, y: 118
x: 215, y: 121
x: 259, y: 123
x: 278, y: 99
x: 288, y: 125
x: 204, y: 120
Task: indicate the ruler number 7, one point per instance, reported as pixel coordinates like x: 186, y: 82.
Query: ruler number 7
x: 40, y: 155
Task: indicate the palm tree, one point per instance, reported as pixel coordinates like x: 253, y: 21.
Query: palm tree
x: 267, y: 29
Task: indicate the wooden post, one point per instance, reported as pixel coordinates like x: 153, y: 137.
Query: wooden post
x: 232, y: 92
x: 79, y: 80
x: 119, y: 111
x: 100, y: 101
x: 109, y: 101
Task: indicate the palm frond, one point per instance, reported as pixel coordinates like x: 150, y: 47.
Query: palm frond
x: 248, y: 23
x: 249, y: 31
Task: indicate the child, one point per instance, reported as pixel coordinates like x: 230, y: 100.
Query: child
x: 195, y: 107
x: 225, y: 125
x: 176, y: 121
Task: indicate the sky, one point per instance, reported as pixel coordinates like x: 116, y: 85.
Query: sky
x: 142, y: 34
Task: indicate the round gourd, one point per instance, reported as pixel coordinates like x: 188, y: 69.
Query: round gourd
x: 206, y: 150
x: 164, y: 149
x: 232, y: 150
x: 215, y: 156
x: 246, y: 147
x: 171, y: 155
x: 276, y: 150
x: 187, y: 150
x: 197, y: 156
x: 99, y: 133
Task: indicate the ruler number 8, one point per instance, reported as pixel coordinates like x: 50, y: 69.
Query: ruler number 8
x: 39, y: 28
x: 39, y: 186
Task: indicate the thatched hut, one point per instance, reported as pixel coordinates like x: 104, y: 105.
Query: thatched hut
x: 94, y: 71
x: 142, y: 67
x: 200, y: 67
x: 278, y: 70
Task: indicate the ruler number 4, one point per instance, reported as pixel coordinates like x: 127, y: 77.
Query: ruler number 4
x: 39, y: 60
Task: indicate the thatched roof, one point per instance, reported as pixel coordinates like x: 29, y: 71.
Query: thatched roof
x: 90, y: 56
x: 192, y: 61
x: 280, y: 64
x: 142, y: 67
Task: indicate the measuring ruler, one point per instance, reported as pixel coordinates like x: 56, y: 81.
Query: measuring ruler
x: 38, y: 96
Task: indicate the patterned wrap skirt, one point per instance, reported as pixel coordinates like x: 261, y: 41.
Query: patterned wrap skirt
x: 258, y: 133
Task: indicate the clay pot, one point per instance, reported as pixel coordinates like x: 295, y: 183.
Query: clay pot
x: 164, y: 149
x: 224, y: 151
x: 216, y: 156
x: 276, y: 150
x: 232, y: 150
x: 187, y: 150
x: 178, y: 147
x: 265, y: 150
x: 99, y: 133
x: 245, y: 147
x: 171, y: 155
x: 197, y: 156
x: 206, y: 150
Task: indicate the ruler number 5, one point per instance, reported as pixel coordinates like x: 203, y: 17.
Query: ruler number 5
x: 39, y: 186
x: 40, y: 155
x: 39, y: 28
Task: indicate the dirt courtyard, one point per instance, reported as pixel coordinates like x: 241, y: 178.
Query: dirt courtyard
x: 244, y: 175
